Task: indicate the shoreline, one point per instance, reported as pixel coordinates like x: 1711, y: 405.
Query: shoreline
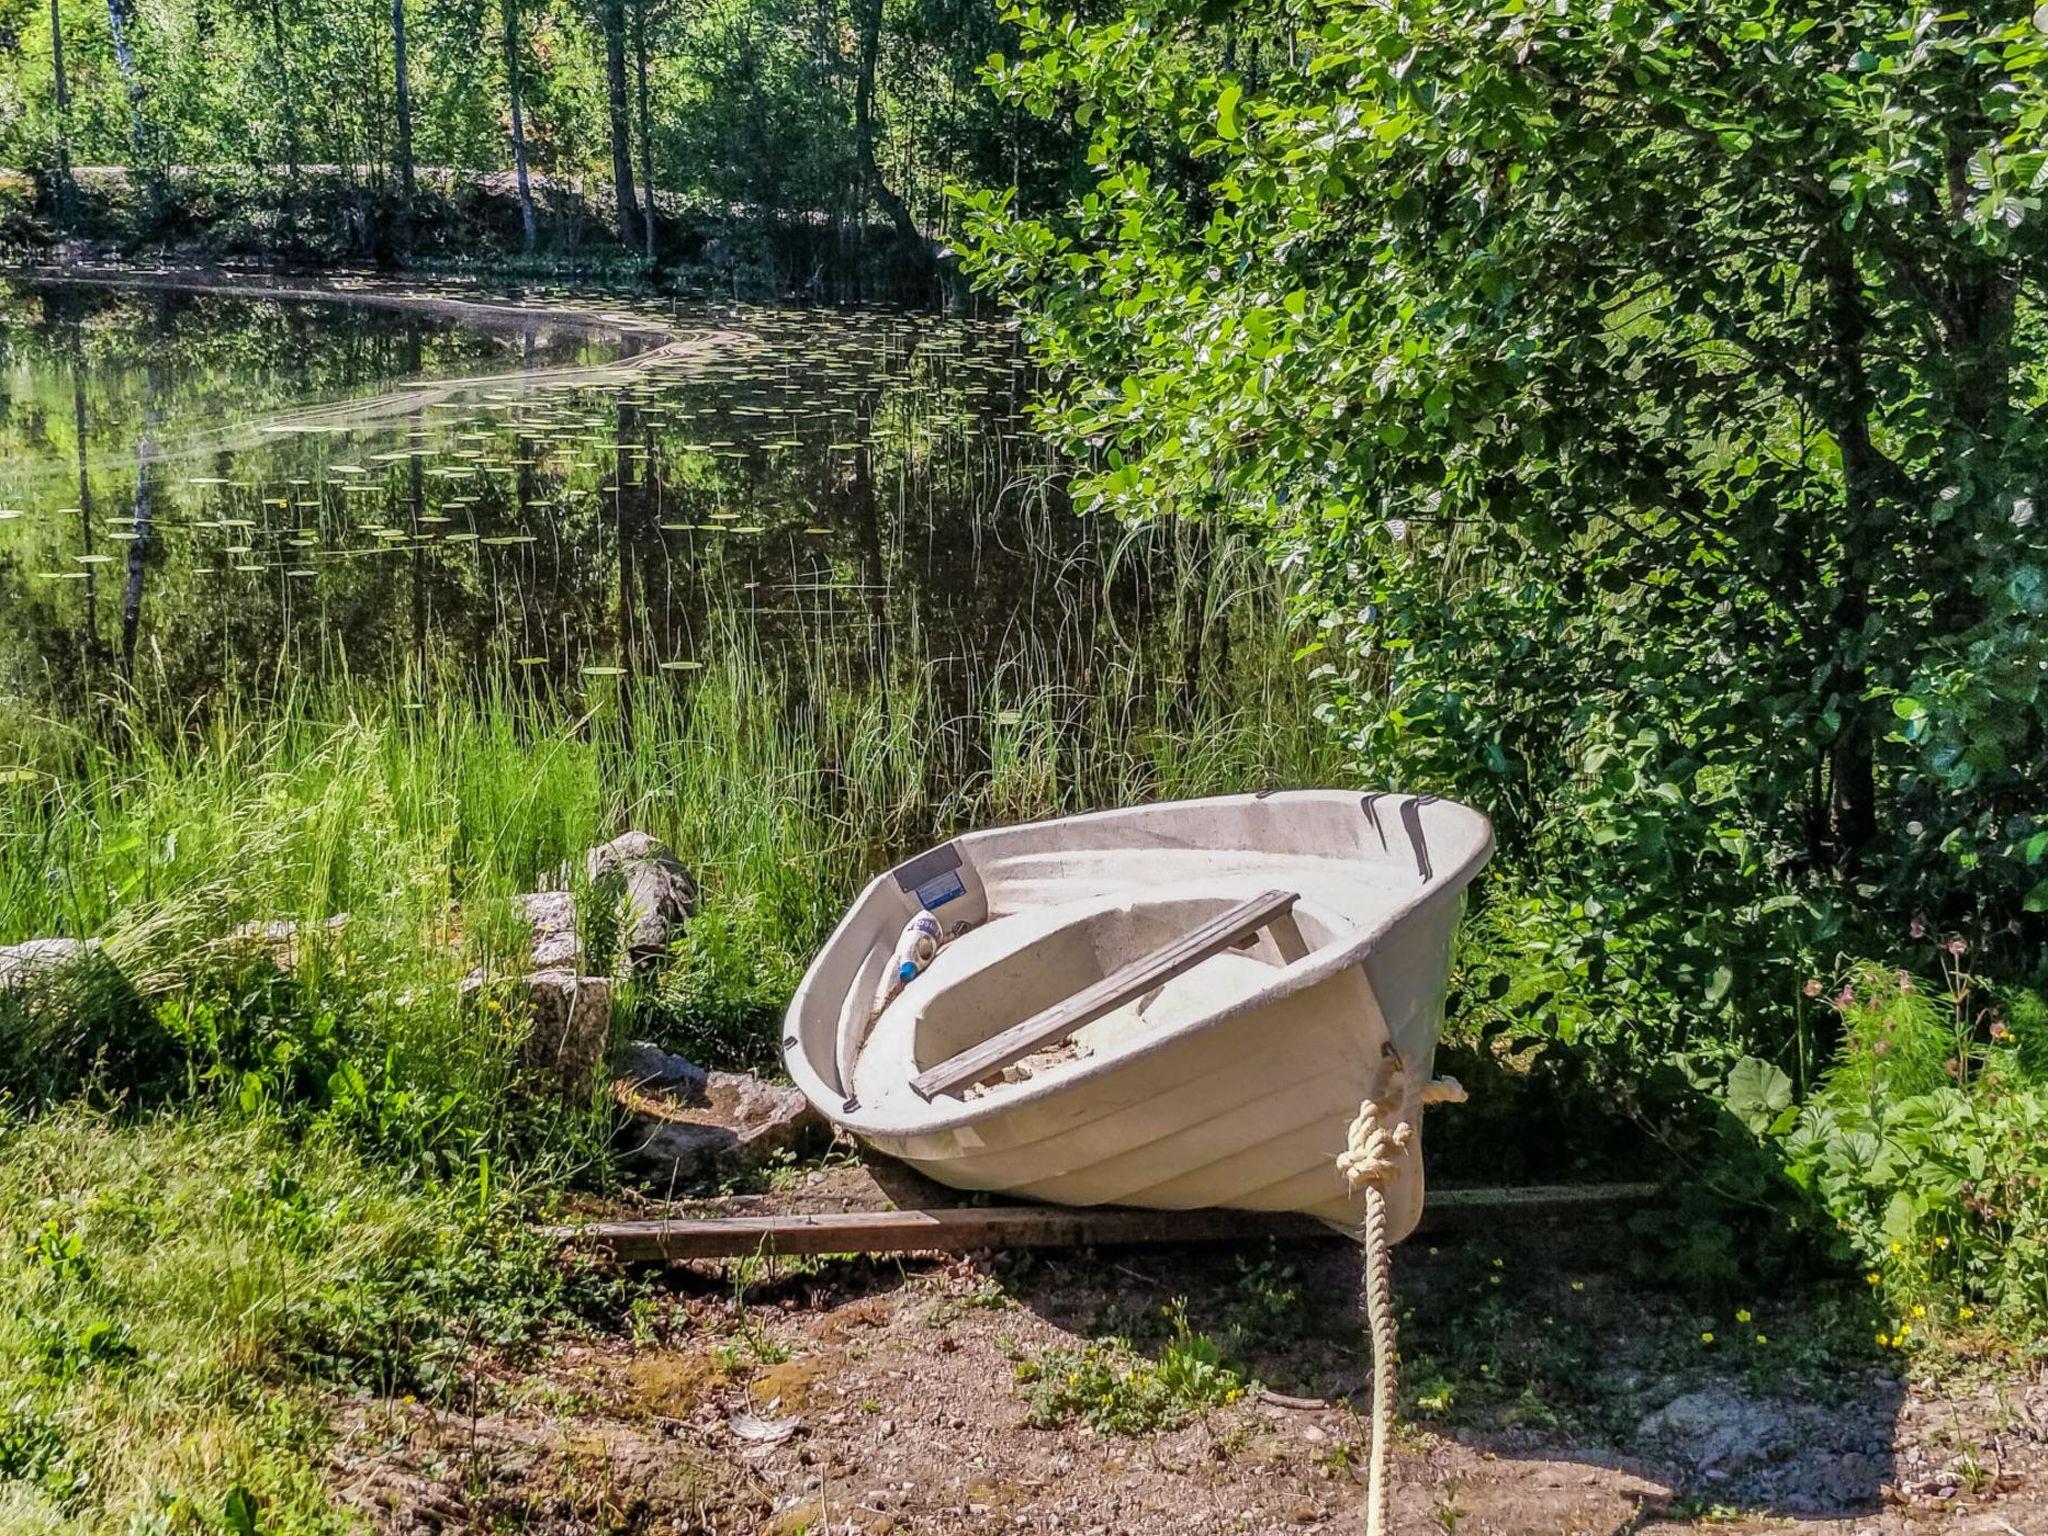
x: 667, y: 347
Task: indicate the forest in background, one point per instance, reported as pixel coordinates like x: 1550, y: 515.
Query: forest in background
x: 783, y: 145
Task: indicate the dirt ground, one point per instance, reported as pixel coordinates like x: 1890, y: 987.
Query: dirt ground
x: 1544, y: 1392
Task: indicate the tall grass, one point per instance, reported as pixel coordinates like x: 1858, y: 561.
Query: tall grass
x: 416, y: 809
x: 236, y: 1173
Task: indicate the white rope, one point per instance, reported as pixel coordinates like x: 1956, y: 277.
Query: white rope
x: 1372, y: 1158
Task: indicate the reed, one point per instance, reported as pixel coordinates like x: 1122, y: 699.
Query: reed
x: 417, y: 807
x: 228, y: 1188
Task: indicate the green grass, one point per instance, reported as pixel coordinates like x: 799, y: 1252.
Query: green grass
x: 230, y: 1186
x: 175, y: 1287
x: 416, y: 810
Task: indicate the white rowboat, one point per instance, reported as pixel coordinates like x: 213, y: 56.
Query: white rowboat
x: 1176, y: 1006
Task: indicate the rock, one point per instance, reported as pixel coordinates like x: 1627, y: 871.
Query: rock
x: 570, y: 1027
x: 644, y: 1066
x: 1850, y: 1480
x: 658, y: 894
x: 23, y: 963
x: 557, y: 946
x: 277, y: 940
x: 1717, y: 1429
x: 733, y: 1123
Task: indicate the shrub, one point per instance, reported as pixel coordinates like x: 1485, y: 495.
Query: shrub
x: 1638, y: 408
x: 1927, y: 1141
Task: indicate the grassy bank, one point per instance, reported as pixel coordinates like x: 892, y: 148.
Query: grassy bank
x: 232, y: 1186
x: 181, y: 1289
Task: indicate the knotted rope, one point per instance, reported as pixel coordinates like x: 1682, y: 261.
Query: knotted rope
x: 1372, y: 1158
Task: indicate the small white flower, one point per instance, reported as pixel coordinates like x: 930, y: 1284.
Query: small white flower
x: 1398, y: 527
x: 2022, y: 511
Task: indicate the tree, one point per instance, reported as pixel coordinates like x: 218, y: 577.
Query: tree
x: 1641, y: 398
x: 140, y: 159
x: 403, y: 100
x: 527, y: 231
x: 281, y: 57
x: 646, y: 119
x: 876, y: 183
x: 61, y: 93
x: 619, y: 120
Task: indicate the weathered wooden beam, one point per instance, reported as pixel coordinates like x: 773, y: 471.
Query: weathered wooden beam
x: 964, y: 1229
x: 960, y: 1229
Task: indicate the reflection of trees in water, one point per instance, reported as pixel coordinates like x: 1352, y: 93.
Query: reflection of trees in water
x: 142, y: 506
x: 947, y: 545
x: 89, y: 642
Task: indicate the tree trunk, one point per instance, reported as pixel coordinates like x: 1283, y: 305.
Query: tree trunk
x: 291, y: 119
x: 124, y: 60
x: 646, y: 121
x: 864, y: 128
x: 628, y: 210
x: 1852, y: 766
x: 405, y: 177
x: 528, y: 233
x: 61, y: 192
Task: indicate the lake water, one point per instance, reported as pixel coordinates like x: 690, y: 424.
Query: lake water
x: 202, y: 490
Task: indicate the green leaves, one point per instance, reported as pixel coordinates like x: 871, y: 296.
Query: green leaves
x: 239, y: 1513
x: 1226, y: 110
x: 1758, y: 1094
x: 1612, y: 385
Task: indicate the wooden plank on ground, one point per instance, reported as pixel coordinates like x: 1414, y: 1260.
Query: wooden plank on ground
x: 1054, y: 1024
x: 1451, y: 1206
x: 958, y: 1229
x: 963, y: 1229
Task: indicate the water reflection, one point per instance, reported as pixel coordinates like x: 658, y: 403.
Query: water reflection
x: 207, y: 493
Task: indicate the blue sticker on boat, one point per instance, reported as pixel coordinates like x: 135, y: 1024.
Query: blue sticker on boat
x: 940, y: 889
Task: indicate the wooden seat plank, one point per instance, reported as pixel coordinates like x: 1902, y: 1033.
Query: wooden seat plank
x: 1051, y: 1025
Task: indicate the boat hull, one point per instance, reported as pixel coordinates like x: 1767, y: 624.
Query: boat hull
x: 1242, y: 1097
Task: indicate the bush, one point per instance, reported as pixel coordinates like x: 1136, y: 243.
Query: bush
x: 721, y: 996
x: 1927, y: 1141
x: 1639, y: 410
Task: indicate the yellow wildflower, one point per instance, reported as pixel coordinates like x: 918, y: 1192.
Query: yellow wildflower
x: 1706, y: 1338
x: 1742, y: 1316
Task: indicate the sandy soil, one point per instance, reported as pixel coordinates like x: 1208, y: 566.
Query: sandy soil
x: 1546, y: 1393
